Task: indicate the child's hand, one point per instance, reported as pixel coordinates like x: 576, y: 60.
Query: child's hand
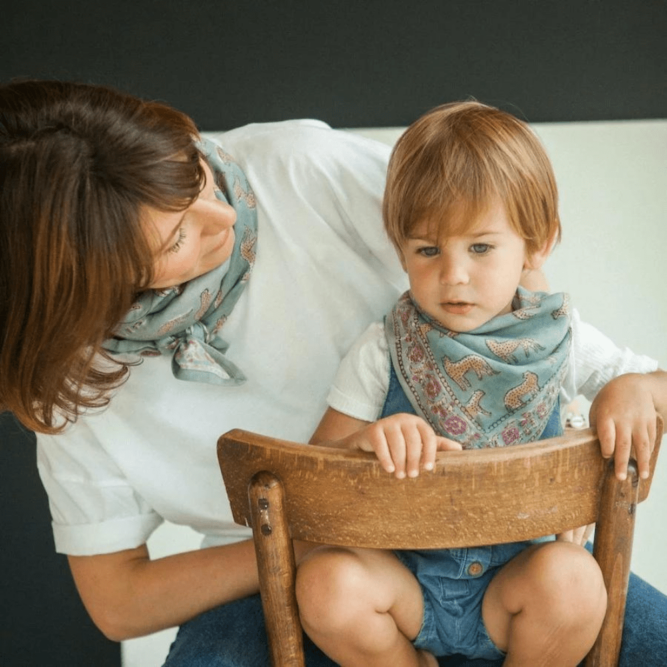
x: 402, y: 442
x: 577, y: 535
x: 624, y: 415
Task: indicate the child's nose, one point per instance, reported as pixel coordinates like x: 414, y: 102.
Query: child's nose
x: 453, y: 272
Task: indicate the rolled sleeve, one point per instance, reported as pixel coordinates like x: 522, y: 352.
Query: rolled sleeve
x: 104, y: 537
x: 94, y: 509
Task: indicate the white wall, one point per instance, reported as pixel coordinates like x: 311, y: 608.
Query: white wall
x: 613, y: 261
x: 613, y: 186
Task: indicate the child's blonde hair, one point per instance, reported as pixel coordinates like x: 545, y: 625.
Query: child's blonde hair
x: 465, y: 154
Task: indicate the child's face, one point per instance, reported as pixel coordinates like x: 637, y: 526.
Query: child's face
x: 465, y: 279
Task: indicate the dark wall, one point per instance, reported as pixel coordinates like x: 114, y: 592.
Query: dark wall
x: 353, y: 63
x: 42, y: 620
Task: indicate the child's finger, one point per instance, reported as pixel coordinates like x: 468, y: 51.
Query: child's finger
x: 623, y: 447
x: 378, y: 444
x: 429, y: 446
x: 413, y: 449
x: 397, y: 448
x: 606, y: 432
x: 652, y: 433
x: 567, y: 536
x: 446, y: 445
x: 642, y: 445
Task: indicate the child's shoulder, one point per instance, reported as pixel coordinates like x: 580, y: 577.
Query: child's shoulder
x: 372, y: 337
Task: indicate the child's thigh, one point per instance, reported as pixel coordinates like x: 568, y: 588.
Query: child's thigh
x: 372, y: 579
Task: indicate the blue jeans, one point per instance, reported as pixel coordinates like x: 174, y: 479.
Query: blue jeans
x: 233, y: 636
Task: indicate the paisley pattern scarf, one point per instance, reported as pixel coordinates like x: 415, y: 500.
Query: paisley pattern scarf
x: 491, y: 387
x: 185, y: 321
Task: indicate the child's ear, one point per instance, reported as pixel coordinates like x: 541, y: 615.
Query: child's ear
x: 535, y: 260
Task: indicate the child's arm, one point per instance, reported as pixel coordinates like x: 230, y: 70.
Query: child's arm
x: 401, y: 442
x: 624, y: 415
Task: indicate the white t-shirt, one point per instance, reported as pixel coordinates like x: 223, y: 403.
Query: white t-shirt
x: 362, y: 381
x: 324, y: 270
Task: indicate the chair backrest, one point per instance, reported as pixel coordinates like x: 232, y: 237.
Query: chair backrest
x: 287, y: 491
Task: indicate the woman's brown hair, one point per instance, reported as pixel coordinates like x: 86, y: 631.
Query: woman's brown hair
x: 78, y: 165
x: 465, y: 154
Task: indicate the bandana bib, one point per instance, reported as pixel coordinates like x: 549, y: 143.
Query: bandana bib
x: 491, y: 387
x: 186, y: 321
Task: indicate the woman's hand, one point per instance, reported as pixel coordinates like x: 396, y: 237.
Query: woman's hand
x: 624, y: 416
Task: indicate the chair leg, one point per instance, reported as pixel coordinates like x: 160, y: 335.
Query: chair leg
x: 275, y: 555
x: 612, y: 550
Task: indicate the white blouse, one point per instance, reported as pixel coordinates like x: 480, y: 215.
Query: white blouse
x: 324, y: 270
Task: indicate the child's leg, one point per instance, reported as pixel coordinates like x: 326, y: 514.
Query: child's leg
x: 546, y: 606
x: 361, y: 607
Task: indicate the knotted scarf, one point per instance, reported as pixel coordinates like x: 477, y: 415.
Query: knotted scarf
x: 185, y: 321
x: 494, y: 386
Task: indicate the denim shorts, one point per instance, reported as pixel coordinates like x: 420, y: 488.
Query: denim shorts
x: 453, y: 583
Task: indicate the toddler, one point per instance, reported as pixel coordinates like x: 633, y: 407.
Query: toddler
x: 469, y: 358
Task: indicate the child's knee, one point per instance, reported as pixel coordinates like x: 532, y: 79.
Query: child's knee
x: 328, y: 583
x: 571, y: 582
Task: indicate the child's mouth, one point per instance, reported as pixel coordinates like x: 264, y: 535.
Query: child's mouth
x: 457, y: 307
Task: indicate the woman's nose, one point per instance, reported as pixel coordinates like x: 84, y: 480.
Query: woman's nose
x: 217, y: 215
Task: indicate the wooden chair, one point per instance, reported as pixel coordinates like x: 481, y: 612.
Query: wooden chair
x: 287, y: 491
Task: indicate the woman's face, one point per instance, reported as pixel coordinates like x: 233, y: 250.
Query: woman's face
x: 194, y: 241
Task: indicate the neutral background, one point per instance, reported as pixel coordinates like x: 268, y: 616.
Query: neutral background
x: 590, y: 75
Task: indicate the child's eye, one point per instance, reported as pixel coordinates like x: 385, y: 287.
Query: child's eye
x: 179, y: 241
x: 480, y: 248
x: 429, y: 251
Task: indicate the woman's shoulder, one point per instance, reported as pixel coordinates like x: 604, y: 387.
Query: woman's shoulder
x: 282, y: 127
x: 292, y: 140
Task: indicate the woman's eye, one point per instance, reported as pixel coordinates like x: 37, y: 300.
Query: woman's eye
x: 429, y: 251
x: 480, y: 248
x: 179, y: 241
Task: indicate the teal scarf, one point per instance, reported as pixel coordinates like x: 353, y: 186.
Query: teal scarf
x: 185, y: 321
x: 491, y: 387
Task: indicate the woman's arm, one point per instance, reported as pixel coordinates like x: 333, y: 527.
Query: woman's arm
x: 129, y: 595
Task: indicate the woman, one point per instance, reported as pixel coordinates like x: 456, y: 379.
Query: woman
x: 155, y: 292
